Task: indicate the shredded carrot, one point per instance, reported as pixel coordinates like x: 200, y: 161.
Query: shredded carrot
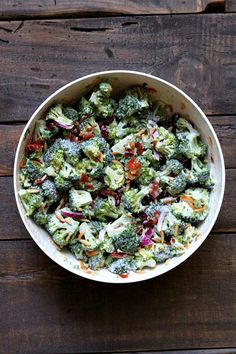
x: 22, y: 163
x: 186, y: 198
x: 91, y: 253
x: 115, y: 153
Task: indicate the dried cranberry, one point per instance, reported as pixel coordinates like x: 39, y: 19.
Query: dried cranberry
x: 104, y: 132
x: 147, y: 223
x: 117, y: 199
x: 147, y: 199
x: 142, y: 215
x: 167, y: 238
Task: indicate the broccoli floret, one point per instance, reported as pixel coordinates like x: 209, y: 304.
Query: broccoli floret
x: 152, y: 209
x: 133, y: 199
x: 170, y: 225
x: 134, y: 101
x: 100, y: 98
x: 106, y: 208
x: 120, y: 130
x: 147, y: 174
x: 49, y: 192
x: 199, y: 174
x: 164, y: 252
x: 31, y: 200
x: 176, y: 185
x: 122, y: 266
x: 61, y: 229
x: 69, y: 172
x: 127, y: 241
x: 150, y: 156
x: 144, y: 258
x: 114, y: 176
x: 85, y: 108
x: 79, y: 198
x: 189, y: 235
x: 33, y: 169
x: 76, y: 249
x: 56, y: 114
x: 90, y: 235
x: 70, y: 113
x: 117, y: 227
x: 54, y: 156
x: 62, y: 185
x: 166, y: 143
x: 41, y: 217
x: 189, y: 140
x: 119, y: 148
x: 42, y: 132
x: 71, y: 150
x: 96, y: 262
x: 94, y: 148
x: 161, y: 113
x: 90, y: 124
x: 172, y: 167
x: 193, y: 206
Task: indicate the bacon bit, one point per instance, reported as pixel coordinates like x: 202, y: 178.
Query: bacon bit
x: 86, y: 135
x: 85, y: 268
x: 85, y: 242
x: 151, y: 89
x: 91, y: 128
x: 84, y: 178
x: 118, y: 255
x: 36, y: 145
x: 39, y: 181
x: 92, y: 253
x: 116, y: 162
x: 123, y: 275
x: 154, y: 189
x: 133, y: 164
x: 89, y: 186
x: 139, y: 148
x: 22, y: 163
x: 80, y: 235
x: 162, y: 236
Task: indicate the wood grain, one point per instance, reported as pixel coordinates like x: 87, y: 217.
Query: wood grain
x: 230, y: 5
x: 13, y: 9
x: 225, y: 128
x: 13, y: 228
x: 46, y: 307
x: 38, y: 57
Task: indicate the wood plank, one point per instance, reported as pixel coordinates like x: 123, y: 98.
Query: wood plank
x: 38, y: 57
x: 230, y: 5
x: 225, y: 128
x: 194, y: 351
x: 13, y: 228
x: 46, y: 307
x: 12, y: 9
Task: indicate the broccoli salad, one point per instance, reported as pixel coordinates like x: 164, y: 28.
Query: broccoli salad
x: 123, y: 183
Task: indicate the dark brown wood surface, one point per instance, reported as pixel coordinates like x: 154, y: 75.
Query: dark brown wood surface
x: 230, y: 6
x: 45, y: 309
x: 80, y: 8
x: 50, y: 309
x: 195, y: 52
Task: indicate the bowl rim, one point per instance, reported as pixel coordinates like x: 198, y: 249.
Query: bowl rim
x: 183, y: 257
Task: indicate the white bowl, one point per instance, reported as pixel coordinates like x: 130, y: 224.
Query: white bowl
x: 120, y: 80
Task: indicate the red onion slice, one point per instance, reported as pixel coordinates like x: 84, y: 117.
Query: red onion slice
x: 161, y: 218
x: 63, y: 126
x: 156, y: 155
x: 72, y: 214
x: 145, y: 239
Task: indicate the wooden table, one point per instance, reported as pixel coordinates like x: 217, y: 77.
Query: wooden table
x: 44, y: 45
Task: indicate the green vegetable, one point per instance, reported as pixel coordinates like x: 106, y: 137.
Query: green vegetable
x: 79, y: 198
x: 166, y: 143
x: 105, y: 208
x: 114, y: 176
x: 127, y: 241
x: 31, y: 200
x: 133, y: 199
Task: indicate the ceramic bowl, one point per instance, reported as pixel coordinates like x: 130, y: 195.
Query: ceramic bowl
x: 182, y: 103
